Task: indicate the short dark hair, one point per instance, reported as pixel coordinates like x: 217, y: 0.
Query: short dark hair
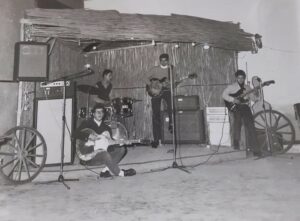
x: 106, y: 72
x: 240, y: 73
x: 98, y: 106
x: 166, y: 56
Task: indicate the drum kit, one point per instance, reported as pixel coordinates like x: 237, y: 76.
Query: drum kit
x: 117, y: 109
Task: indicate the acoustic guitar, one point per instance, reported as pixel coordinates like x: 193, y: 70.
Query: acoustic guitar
x: 158, y: 86
x: 86, y: 150
x: 241, y: 94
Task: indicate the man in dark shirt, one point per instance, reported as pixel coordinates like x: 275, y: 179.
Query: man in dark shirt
x: 108, y: 156
x: 242, y: 114
x: 104, y: 87
x: 158, y: 73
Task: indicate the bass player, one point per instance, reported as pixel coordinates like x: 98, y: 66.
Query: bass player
x: 158, y: 88
x: 241, y: 113
x: 110, y: 157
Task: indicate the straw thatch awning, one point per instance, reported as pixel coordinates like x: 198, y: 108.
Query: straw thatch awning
x: 118, y: 27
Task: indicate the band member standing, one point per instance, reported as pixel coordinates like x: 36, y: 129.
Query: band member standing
x: 242, y: 113
x: 104, y: 87
x: 110, y: 157
x: 160, y: 73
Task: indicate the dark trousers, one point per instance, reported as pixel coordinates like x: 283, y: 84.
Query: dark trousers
x: 156, y: 115
x: 243, y: 115
x: 109, y: 158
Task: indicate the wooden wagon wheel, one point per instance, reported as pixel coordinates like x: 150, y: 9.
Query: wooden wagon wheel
x: 281, y: 132
x: 23, y: 153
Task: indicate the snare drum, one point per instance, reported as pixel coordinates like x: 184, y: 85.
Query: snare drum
x: 123, y: 106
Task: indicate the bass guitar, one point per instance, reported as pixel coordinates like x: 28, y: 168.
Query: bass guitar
x: 157, y: 86
x: 241, y: 94
x: 86, y: 150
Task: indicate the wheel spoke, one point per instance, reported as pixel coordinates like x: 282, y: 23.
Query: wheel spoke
x: 32, y: 163
x: 259, y: 124
x: 282, y: 126
x: 29, y: 142
x: 7, y: 163
x: 35, y: 155
x: 263, y: 117
x: 20, y: 169
x: 14, y: 167
x: 8, y: 154
x: 283, y: 132
x: 18, y: 142
x: 34, y: 147
x: 277, y: 120
x: 271, y: 118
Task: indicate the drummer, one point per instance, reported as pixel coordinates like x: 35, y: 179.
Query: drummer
x: 104, y: 87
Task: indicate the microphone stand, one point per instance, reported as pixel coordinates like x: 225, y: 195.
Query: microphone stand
x: 265, y: 115
x: 174, y: 164
x: 61, y: 178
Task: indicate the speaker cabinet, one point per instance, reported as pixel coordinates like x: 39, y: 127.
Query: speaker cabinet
x: 48, y: 121
x: 31, y: 61
x: 187, y: 102
x: 297, y: 112
x: 190, y: 127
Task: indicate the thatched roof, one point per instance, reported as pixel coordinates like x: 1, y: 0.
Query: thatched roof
x: 119, y: 27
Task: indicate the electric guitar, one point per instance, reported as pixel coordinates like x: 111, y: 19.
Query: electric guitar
x: 86, y: 150
x: 241, y: 94
x: 157, y: 86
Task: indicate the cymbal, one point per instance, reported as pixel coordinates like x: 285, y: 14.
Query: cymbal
x: 89, y: 89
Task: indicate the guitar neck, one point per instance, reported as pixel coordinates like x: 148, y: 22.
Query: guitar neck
x: 118, y: 142
x: 267, y: 83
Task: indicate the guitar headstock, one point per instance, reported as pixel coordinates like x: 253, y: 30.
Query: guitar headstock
x: 267, y: 83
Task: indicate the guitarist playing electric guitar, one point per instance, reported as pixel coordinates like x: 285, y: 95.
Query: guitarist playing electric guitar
x: 158, y: 79
x: 241, y: 112
x: 102, y: 135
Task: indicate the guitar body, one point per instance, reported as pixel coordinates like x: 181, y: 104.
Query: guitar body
x: 87, y: 150
x: 157, y: 86
x: 232, y: 106
x: 240, y: 94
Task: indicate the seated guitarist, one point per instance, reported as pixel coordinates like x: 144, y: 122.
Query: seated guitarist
x: 241, y: 113
x: 110, y: 157
x: 159, y: 74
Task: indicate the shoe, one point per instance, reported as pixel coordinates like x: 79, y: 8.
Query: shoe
x: 154, y: 144
x: 129, y: 172
x: 105, y: 174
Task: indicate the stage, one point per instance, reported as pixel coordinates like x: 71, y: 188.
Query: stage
x: 227, y: 187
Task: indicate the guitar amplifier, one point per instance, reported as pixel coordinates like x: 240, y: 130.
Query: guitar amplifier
x: 55, y: 90
x: 190, y: 127
x: 187, y: 102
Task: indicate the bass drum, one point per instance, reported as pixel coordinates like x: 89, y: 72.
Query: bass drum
x: 119, y: 131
